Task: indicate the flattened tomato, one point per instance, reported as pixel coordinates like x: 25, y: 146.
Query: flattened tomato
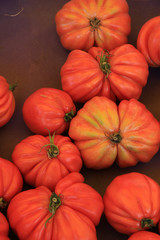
x: 148, y: 41
x: 120, y: 73
x: 132, y: 203
x: 144, y: 235
x: 45, y: 160
x: 104, y: 132
x: 7, y: 101
x: 11, y: 182
x: 4, y: 227
x: 48, y: 109
x: 82, y: 24
x: 71, y: 212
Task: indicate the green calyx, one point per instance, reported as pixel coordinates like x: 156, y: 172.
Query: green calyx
x: 68, y: 116
x: 147, y: 223
x: 115, y: 137
x: 94, y: 23
x: 53, y: 151
x: 3, y: 203
x: 12, y: 86
x: 54, y: 204
x: 104, y: 63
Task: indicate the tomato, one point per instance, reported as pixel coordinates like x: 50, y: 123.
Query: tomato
x: 70, y: 212
x: 48, y: 109
x: 4, y: 227
x: 144, y: 235
x: 105, y: 132
x: 11, y: 182
x: 148, y: 41
x: 45, y: 160
x: 7, y: 101
x: 82, y: 24
x: 131, y: 203
x: 120, y: 73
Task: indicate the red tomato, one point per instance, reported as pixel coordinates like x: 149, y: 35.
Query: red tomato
x: 104, y: 132
x: 48, y: 109
x: 82, y: 24
x: 144, y: 235
x: 120, y: 73
x: 132, y: 203
x: 71, y: 212
x: 4, y: 227
x: 148, y: 41
x: 7, y: 101
x: 45, y: 160
x: 11, y: 182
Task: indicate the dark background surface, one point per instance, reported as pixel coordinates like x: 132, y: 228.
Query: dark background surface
x: 32, y: 55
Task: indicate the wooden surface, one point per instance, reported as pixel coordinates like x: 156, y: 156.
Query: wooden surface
x: 32, y: 55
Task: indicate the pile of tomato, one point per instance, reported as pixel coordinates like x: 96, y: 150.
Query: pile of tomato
x: 107, y: 74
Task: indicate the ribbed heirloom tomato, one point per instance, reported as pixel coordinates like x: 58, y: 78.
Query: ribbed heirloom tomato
x: 4, y: 227
x: 7, y: 101
x: 132, y: 203
x: 120, y: 73
x: 148, y: 41
x: 70, y: 212
x: 11, y: 182
x: 48, y: 109
x: 45, y: 160
x: 105, y: 132
x: 81, y: 24
x: 144, y: 235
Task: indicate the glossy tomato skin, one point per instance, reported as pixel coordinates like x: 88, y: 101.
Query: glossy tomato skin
x: 82, y: 24
x: 75, y: 218
x: 7, y: 102
x: 4, y: 227
x: 118, y: 74
x: 39, y: 166
x: 144, y: 235
x: 48, y: 109
x: 105, y: 132
x: 11, y: 182
x: 132, y: 203
x: 148, y: 41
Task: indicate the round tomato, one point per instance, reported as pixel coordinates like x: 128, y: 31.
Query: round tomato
x: 4, y: 227
x: 70, y: 212
x: 7, y: 101
x: 104, y: 132
x: 11, y: 182
x: 148, y: 41
x: 82, y: 24
x: 48, y: 109
x: 45, y: 160
x: 131, y: 203
x: 120, y: 73
x: 144, y: 235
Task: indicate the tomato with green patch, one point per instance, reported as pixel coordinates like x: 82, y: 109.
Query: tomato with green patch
x: 104, y: 133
